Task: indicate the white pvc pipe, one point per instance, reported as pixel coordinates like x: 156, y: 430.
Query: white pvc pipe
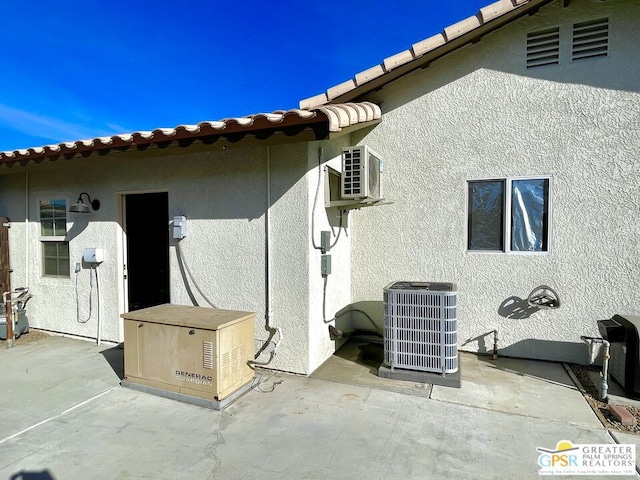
x: 268, y: 314
x: 268, y: 262
x: 99, y: 337
x: 26, y: 230
x: 267, y: 241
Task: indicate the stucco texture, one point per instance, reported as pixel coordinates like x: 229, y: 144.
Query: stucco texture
x: 480, y: 114
x: 223, y: 194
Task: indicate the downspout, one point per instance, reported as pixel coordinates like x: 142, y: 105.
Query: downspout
x: 268, y: 268
x: 99, y: 337
x: 26, y: 230
x: 268, y: 314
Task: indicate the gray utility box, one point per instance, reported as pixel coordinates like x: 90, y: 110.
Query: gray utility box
x: 21, y: 326
x: 622, y: 332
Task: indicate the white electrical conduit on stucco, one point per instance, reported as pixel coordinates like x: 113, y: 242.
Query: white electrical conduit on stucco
x: 342, y: 312
x: 90, y: 296
x: 313, y: 237
x: 313, y: 210
x: 193, y: 280
x: 95, y: 272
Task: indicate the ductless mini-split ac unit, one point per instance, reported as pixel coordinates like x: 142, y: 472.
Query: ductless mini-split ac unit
x: 361, y: 177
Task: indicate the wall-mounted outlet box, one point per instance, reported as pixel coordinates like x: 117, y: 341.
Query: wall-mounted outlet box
x: 325, y: 265
x: 325, y: 241
x: 93, y: 255
x: 179, y: 227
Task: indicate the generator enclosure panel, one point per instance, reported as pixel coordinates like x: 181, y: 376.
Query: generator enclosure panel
x: 202, y: 352
x: 420, y: 326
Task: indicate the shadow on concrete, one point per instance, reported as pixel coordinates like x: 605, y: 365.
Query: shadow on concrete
x: 538, y: 369
x: 26, y: 475
x: 485, y: 342
x: 366, y: 315
x: 115, y: 358
x: 357, y: 362
x: 536, y: 349
x: 369, y: 355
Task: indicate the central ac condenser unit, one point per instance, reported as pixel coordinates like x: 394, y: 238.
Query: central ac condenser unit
x: 361, y: 174
x: 420, y: 327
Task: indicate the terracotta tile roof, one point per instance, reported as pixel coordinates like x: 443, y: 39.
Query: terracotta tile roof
x: 487, y: 19
x: 337, y: 117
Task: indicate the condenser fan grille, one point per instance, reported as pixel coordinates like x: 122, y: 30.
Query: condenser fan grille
x: 420, y: 327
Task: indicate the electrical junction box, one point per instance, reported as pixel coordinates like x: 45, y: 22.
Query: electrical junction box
x: 93, y: 255
x: 325, y: 241
x: 325, y: 265
x: 179, y: 227
x: 190, y: 351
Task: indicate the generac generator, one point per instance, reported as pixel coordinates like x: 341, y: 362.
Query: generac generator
x: 193, y: 351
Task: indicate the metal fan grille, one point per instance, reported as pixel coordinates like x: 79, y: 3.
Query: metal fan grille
x: 420, y: 330
x: 352, y: 170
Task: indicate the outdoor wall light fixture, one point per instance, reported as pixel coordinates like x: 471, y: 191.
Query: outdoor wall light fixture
x: 81, y: 207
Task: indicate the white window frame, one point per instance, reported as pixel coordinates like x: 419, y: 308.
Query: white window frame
x: 507, y: 219
x: 53, y: 238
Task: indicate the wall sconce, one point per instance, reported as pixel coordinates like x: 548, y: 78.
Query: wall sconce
x: 81, y: 207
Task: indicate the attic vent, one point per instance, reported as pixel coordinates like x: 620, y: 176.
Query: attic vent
x: 590, y: 39
x: 543, y: 47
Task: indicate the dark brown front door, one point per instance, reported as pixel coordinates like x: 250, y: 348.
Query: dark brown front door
x: 147, y: 262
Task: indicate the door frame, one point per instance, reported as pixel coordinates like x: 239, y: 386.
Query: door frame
x: 121, y: 241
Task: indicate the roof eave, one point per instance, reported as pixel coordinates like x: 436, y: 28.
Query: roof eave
x: 272, y: 128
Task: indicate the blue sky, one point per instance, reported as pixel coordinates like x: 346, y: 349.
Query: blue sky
x: 74, y: 70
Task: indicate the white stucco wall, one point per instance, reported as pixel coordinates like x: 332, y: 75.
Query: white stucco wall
x: 479, y: 113
x: 338, y: 283
x: 476, y: 114
x: 223, y: 194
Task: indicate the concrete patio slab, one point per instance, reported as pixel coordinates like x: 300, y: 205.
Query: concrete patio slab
x: 357, y: 362
x: 522, y: 387
x: 631, y: 439
x: 286, y: 427
x: 615, y: 393
x: 46, y: 377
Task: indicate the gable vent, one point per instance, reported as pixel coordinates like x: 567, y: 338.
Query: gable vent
x: 543, y: 47
x: 590, y: 39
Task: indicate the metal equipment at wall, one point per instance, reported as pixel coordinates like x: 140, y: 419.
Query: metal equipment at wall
x: 623, y: 333
x: 420, y: 327
x: 189, y: 351
x: 13, y: 315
